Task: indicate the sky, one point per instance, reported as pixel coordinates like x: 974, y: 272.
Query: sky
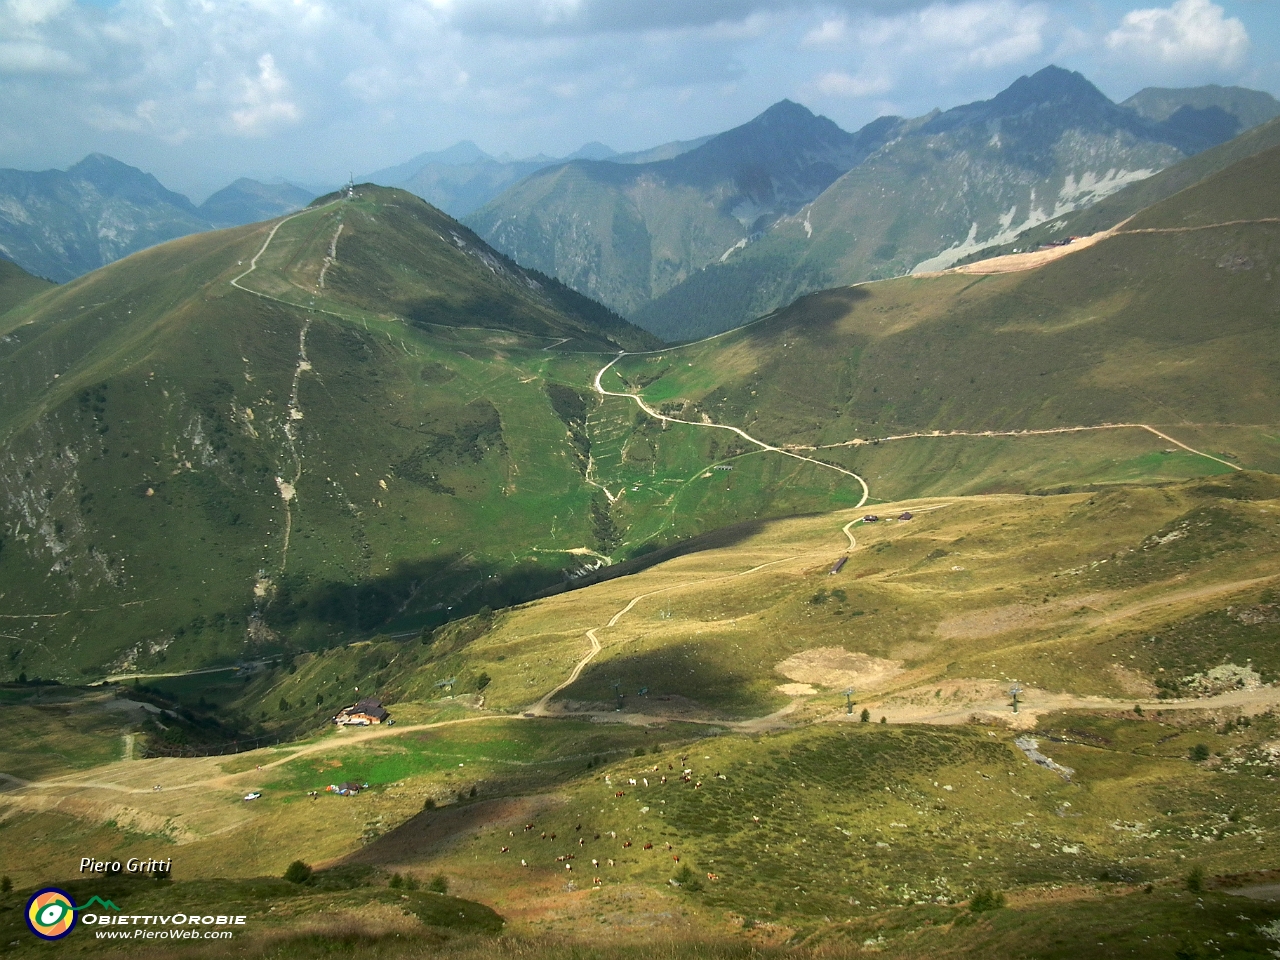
x: 200, y: 92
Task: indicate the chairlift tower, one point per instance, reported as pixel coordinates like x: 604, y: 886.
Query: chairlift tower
x: 617, y: 692
x: 1013, y: 692
x: 848, y: 701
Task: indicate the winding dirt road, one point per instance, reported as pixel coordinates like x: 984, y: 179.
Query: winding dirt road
x: 600, y: 389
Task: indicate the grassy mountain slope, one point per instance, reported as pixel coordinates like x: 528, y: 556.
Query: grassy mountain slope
x: 626, y: 232
x: 16, y: 285
x: 182, y: 457
x: 813, y: 826
x: 954, y: 183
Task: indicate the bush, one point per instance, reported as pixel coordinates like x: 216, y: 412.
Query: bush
x: 297, y: 872
x: 866, y: 715
x: 1199, y: 753
x: 429, y: 803
x: 688, y: 879
x: 1195, y: 879
x: 439, y: 884
x: 410, y: 882
x: 6, y: 885
x: 395, y: 882
x: 985, y: 900
x: 639, y: 751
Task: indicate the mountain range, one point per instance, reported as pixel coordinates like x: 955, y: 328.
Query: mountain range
x: 463, y: 177
x: 734, y: 228
x: 63, y: 223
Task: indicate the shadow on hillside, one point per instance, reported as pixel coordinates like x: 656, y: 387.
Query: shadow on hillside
x: 433, y: 831
x: 413, y: 594
x: 814, y: 313
x: 719, y: 539
x: 693, y: 679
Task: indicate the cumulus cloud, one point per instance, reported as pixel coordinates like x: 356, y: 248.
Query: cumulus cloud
x: 32, y: 57
x: 981, y: 34
x: 264, y: 100
x: 1189, y: 33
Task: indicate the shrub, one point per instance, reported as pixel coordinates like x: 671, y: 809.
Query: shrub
x: 688, y: 879
x: 1137, y: 708
x: 985, y: 900
x: 429, y: 803
x: 6, y: 885
x: 297, y: 872
x: 639, y: 752
x: 866, y: 715
x: 1195, y: 879
x: 1199, y: 753
x: 395, y: 882
x: 439, y: 884
x: 410, y: 882
x: 483, y: 681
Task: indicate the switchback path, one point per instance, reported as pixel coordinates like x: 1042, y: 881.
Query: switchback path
x: 600, y: 389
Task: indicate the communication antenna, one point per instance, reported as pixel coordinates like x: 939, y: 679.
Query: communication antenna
x: 848, y: 701
x: 1013, y: 692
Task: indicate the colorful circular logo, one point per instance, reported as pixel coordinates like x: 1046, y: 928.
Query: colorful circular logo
x: 51, y: 914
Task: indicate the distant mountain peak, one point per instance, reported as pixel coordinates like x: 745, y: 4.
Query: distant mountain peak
x: 1050, y: 85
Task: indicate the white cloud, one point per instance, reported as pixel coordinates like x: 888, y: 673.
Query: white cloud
x: 31, y: 12
x: 829, y: 33
x: 980, y: 34
x: 265, y: 100
x: 1189, y: 33
x: 836, y: 83
x: 34, y: 58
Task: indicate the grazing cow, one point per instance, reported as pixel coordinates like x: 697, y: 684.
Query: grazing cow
x: 553, y: 836
x: 648, y: 846
x: 595, y: 863
x: 675, y: 857
x: 596, y: 881
x: 582, y: 841
x: 577, y: 827
x: 524, y: 863
x: 528, y: 827
x: 664, y: 779
x: 506, y: 849
x: 544, y: 834
x: 626, y: 843
x: 611, y: 861
x: 712, y: 877
x: 755, y: 819
x: 568, y: 866
x: 669, y: 848
x: 620, y: 794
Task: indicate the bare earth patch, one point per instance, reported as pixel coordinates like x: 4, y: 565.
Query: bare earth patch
x: 837, y: 667
x: 796, y: 689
